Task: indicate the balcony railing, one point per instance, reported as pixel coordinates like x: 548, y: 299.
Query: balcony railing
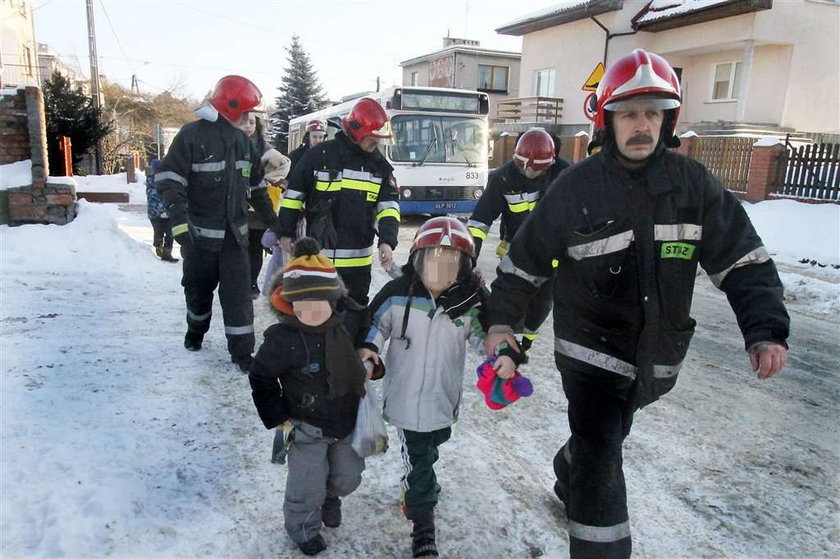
x: 530, y: 109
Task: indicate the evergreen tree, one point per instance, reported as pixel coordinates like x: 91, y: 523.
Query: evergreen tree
x: 71, y: 113
x: 300, y: 94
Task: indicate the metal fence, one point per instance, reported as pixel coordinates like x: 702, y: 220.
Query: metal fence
x: 728, y: 158
x: 810, y: 171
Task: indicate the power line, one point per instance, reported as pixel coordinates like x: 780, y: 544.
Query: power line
x: 119, y: 44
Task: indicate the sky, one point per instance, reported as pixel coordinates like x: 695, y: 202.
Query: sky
x: 191, y: 44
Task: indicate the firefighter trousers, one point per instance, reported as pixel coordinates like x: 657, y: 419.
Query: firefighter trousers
x: 589, y: 472
x: 228, y: 269
x: 357, y: 281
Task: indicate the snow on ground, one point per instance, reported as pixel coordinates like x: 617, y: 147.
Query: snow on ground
x: 115, y: 441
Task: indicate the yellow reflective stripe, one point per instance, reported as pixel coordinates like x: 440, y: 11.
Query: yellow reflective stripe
x: 520, y: 207
x: 477, y: 233
x: 530, y: 336
x: 554, y: 262
x: 180, y: 229
x: 390, y: 212
x: 291, y: 204
x: 327, y: 186
x: 353, y: 262
x: 364, y: 186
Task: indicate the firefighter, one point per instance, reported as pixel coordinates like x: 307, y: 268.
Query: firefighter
x: 629, y: 227
x: 316, y: 132
x: 207, y: 179
x: 513, y: 191
x: 350, y: 196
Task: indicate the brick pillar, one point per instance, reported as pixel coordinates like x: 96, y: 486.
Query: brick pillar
x: 579, y: 148
x: 37, y: 136
x: 765, y: 157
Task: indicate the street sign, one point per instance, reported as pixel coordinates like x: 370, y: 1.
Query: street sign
x: 591, y: 83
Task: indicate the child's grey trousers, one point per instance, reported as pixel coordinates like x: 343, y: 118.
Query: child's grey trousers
x: 318, y: 466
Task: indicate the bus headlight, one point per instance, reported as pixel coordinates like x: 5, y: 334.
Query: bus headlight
x: 477, y: 193
x: 406, y: 193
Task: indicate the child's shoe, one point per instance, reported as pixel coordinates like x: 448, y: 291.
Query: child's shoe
x: 314, y: 546
x: 331, y: 512
x: 423, y: 536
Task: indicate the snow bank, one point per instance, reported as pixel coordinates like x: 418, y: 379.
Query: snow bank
x: 15, y: 174
x: 114, y: 183
x: 90, y: 244
x: 794, y: 230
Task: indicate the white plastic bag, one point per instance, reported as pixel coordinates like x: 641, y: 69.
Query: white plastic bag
x: 369, y: 435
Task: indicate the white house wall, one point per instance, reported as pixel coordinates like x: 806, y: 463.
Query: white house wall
x: 795, y: 66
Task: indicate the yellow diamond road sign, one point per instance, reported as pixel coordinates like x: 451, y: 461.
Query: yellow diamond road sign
x: 591, y: 83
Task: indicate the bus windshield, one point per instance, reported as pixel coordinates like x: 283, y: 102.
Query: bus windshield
x: 424, y: 139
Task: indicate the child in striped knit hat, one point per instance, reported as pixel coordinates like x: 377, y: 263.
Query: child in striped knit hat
x: 307, y: 380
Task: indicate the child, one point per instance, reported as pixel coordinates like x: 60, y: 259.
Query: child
x: 311, y: 353
x: 162, y: 228
x: 428, y: 314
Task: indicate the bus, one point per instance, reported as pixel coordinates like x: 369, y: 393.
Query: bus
x: 440, y: 145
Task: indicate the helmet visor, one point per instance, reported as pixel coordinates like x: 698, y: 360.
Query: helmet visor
x: 642, y: 104
x: 383, y: 134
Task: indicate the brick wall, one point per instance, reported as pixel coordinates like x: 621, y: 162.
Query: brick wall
x: 23, y: 135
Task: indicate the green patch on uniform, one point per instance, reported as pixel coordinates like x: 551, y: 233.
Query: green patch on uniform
x: 458, y: 322
x: 684, y: 251
x: 246, y: 173
x: 371, y: 196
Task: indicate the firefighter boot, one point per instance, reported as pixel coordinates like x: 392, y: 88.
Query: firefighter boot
x: 423, y: 536
x: 167, y: 255
x: 192, y: 341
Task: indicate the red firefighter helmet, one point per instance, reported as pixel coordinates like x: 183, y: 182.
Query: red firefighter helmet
x: 316, y: 125
x: 534, y: 150
x: 639, y: 74
x: 444, y: 232
x: 234, y: 95
x: 366, y: 119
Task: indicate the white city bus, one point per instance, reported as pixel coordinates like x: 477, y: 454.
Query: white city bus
x: 440, y: 145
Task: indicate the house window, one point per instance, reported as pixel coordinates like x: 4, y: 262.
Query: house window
x: 727, y: 80
x: 544, y: 82
x: 415, y: 76
x: 493, y: 78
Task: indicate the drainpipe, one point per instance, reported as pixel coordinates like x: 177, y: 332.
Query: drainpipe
x: 609, y: 36
x: 743, y: 87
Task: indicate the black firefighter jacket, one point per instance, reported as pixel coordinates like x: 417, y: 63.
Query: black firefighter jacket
x: 350, y: 195
x: 208, y: 178
x: 628, y: 247
x: 512, y: 195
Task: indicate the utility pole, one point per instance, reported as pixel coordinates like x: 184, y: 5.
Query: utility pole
x: 377, y: 84
x: 94, y: 77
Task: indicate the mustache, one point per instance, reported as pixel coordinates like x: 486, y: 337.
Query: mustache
x: 640, y: 139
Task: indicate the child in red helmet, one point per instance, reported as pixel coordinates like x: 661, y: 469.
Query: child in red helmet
x: 428, y: 314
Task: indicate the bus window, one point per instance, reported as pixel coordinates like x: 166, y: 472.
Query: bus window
x: 438, y: 139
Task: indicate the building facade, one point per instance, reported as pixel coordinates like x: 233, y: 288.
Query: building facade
x: 762, y: 63
x: 18, y: 50
x: 463, y: 64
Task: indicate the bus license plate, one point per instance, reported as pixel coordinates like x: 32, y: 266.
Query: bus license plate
x: 445, y: 206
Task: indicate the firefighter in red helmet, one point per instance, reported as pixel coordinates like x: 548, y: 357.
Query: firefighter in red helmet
x: 512, y: 192
x: 210, y: 175
x: 349, y: 194
x: 316, y: 132
x: 629, y: 227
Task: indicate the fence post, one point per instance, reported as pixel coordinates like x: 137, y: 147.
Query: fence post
x: 579, y: 148
x: 766, y: 154
x: 686, y: 139
x: 130, y: 175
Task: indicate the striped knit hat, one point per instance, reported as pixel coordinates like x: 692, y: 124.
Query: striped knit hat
x: 310, y: 274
